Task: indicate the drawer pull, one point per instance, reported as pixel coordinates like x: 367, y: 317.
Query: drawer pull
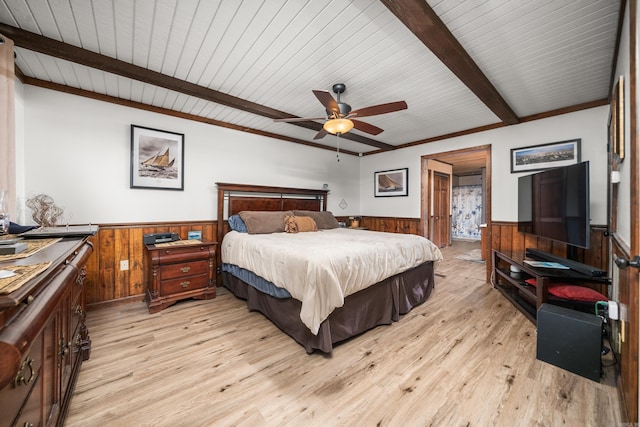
x: 20, y: 377
x: 185, y: 269
x: 184, y: 284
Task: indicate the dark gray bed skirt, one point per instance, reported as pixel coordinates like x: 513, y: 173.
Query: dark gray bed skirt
x: 379, y: 304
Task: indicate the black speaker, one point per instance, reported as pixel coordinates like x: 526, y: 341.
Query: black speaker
x: 570, y: 340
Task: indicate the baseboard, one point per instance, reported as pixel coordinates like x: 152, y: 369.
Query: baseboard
x: 115, y: 302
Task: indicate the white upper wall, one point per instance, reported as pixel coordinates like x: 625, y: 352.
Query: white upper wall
x: 589, y: 125
x: 623, y: 223
x: 77, y: 150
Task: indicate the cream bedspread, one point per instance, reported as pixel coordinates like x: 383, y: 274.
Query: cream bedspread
x: 321, y: 268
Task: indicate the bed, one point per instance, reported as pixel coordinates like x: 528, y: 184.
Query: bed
x: 282, y: 252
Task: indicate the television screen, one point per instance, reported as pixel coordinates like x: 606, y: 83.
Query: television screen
x: 555, y: 204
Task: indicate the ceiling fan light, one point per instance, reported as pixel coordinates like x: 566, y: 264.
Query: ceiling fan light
x: 335, y: 126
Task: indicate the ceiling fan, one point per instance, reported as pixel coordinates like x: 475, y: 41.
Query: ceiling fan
x: 340, y: 118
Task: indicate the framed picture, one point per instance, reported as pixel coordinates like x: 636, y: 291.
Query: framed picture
x: 391, y: 183
x: 544, y: 156
x: 157, y: 159
x: 616, y: 121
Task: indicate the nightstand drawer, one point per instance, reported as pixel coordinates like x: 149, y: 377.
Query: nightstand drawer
x: 183, y: 284
x: 173, y: 271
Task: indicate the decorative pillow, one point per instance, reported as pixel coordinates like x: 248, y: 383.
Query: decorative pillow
x: 572, y: 292
x: 264, y: 222
x: 295, y: 224
x: 237, y: 224
x: 324, y: 219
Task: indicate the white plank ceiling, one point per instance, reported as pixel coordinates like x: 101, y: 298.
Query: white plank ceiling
x: 539, y: 55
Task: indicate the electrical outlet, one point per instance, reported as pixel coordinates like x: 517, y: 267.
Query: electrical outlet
x: 124, y: 265
x: 614, y: 312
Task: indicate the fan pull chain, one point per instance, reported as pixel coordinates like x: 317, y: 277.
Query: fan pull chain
x: 338, y: 146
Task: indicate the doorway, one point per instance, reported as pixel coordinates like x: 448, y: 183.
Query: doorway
x: 464, y: 162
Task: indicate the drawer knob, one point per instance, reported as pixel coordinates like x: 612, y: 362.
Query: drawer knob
x: 185, y: 269
x: 184, y: 284
x: 20, y: 376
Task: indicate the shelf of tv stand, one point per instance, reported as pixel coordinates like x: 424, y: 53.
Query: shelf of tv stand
x: 523, y: 296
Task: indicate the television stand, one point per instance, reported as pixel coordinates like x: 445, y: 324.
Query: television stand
x: 585, y: 269
x: 510, y: 273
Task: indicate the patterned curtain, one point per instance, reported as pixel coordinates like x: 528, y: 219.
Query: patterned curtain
x: 466, y: 212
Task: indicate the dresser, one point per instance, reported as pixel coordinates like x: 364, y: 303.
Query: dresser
x: 179, y: 270
x: 43, y: 336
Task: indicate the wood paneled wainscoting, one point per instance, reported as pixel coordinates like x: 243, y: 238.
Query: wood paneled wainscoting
x: 505, y: 237
x: 391, y: 225
x: 106, y: 282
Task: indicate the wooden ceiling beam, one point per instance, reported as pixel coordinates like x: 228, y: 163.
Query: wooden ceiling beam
x: 58, y: 49
x: 418, y: 16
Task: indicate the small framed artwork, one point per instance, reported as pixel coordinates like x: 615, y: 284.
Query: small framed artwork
x: 391, y: 183
x: 616, y: 122
x: 545, y: 156
x: 157, y: 159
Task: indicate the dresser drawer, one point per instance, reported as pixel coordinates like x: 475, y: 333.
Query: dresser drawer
x: 30, y: 412
x: 184, y: 284
x: 77, y: 313
x: 14, y: 394
x: 194, y: 268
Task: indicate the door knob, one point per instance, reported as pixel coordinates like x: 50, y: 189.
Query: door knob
x: 624, y: 263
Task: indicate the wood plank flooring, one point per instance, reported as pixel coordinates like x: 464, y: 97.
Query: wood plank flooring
x: 466, y: 357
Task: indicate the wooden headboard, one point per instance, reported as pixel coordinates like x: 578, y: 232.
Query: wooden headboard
x: 242, y: 197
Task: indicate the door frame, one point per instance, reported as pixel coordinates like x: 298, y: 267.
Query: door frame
x: 426, y: 181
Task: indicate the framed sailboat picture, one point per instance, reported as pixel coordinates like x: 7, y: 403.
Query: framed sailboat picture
x: 157, y: 159
x: 391, y: 183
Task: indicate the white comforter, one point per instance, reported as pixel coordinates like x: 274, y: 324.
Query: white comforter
x: 321, y: 268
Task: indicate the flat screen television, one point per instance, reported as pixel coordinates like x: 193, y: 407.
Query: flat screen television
x: 554, y: 204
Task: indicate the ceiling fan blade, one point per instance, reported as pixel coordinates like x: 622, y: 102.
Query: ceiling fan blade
x: 366, y: 127
x: 299, y: 119
x: 374, y: 110
x: 321, y: 134
x: 326, y: 99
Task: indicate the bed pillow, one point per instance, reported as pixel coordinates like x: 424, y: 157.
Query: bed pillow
x: 324, y: 219
x: 264, y: 222
x: 237, y: 224
x: 572, y: 292
x: 299, y: 224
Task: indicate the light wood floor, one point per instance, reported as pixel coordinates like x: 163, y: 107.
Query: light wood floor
x: 466, y: 357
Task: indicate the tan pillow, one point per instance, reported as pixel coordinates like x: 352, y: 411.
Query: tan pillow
x: 324, y: 219
x: 299, y: 224
x: 264, y: 222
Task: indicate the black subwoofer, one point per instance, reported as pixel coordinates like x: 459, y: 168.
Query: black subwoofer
x: 570, y: 340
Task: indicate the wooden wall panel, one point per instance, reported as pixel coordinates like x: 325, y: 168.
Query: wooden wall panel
x: 106, y: 282
x: 505, y: 237
x: 392, y: 225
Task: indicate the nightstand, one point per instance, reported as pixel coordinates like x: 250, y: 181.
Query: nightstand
x: 179, y: 270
